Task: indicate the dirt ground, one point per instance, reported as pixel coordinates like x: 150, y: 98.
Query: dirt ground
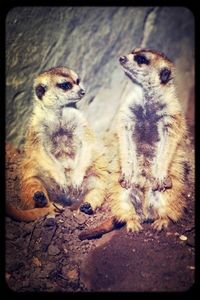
x: 47, y: 255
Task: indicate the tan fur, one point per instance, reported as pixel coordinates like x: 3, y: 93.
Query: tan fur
x: 61, y: 152
x: 142, y: 171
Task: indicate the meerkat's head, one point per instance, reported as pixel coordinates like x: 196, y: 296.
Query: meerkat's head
x: 58, y: 87
x: 147, y: 67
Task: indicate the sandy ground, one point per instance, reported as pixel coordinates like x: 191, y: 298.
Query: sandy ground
x: 47, y: 255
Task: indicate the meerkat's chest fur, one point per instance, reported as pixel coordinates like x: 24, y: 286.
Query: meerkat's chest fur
x: 61, y: 135
x: 147, y: 118
x: 63, y: 139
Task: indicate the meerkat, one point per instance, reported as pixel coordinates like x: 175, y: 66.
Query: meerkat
x: 147, y: 165
x: 61, y: 157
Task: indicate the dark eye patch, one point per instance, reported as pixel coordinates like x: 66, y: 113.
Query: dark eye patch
x: 165, y: 74
x: 40, y: 91
x: 141, y: 59
x: 78, y: 81
x: 65, y: 85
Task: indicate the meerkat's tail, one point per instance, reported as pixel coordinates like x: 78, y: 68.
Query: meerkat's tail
x: 101, y: 229
x: 26, y: 215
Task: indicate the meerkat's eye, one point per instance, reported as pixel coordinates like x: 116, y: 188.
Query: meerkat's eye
x: 65, y: 85
x: 165, y: 74
x: 78, y: 81
x: 141, y: 59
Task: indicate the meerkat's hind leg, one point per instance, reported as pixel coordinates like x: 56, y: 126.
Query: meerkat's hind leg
x: 123, y: 209
x: 160, y: 223
x: 33, y: 193
x: 167, y: 205
x: 93, y: 199
x: 96, y: 186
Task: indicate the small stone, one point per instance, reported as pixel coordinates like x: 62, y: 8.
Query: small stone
x: 169, y: 233
x: 8, y: 275
x: 49, y: 267
x: 53, y: 250
x: 10, y: 236
x: 65, y: 250
x: 28, y: 227
x: 81, y: 218
x: 50, y: 216
x: 66, y: 237
x: 183, y: 238
x: 67, y: 223
x: 73, y: 275
x: 67, y: 212
x: 36, y: 262
x: 25, y: 282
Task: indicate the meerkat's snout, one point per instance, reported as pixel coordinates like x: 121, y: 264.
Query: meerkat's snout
x: 123, y: 60
x: 81, y: 93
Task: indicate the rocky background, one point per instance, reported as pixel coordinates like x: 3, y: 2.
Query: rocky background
x: 90, y: 40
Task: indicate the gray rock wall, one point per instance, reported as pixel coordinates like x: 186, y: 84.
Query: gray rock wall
x: 90, y: 40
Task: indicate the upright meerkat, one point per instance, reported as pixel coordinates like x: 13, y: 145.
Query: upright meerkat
x: 147, y: 168
x: 61, y: 156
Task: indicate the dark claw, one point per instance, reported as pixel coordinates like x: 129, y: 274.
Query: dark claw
x: 155, y: 186
x: 124, y: 183
x: 86, y: 208
x: 161, y: 187
x: 168, y: 183
x: 40, y: 199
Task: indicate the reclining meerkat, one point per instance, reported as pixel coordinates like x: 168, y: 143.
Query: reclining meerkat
x: 147, y: 180
x: 61, y: 156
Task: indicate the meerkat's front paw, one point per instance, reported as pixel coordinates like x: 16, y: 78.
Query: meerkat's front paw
x: 125, y: 181
x: 86, y: 208
x: 133, y: 226
x: 77, y: 180
x: 160, y: 224
x: 162, y: 184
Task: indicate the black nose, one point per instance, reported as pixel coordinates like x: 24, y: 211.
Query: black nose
x: 123, y: 59
x: 81, y: 93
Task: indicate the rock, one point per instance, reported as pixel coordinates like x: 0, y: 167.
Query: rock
x: 118, y: 29
x: 53, y: 250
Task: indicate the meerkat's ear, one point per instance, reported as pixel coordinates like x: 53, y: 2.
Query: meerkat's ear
x: 40, y: 90
x: 165, y: 75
